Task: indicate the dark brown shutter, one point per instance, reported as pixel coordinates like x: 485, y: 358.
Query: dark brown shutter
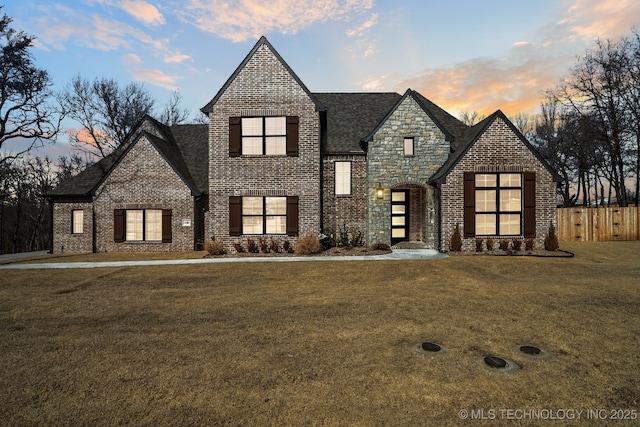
x: 235, y: 137
x: 292, y: 136
x: 118, y: 225
x: 166, y: 225
x: 235, y: 216
x: 469, y: 204
x: 529, y: 189
x: 292, y: 216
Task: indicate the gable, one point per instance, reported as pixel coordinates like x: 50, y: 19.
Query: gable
x: 270, y: 77
x: 142, y: 168
x: 500, y: 143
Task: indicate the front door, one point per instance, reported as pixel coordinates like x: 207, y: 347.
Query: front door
x: 399, y: 216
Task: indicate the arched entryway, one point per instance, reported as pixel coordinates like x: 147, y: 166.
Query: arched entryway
x: 407, y: 216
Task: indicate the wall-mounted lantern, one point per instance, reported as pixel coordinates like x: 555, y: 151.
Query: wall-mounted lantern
x: 379, y: 192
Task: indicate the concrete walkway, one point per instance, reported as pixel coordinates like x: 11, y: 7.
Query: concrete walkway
x: 398, y: 254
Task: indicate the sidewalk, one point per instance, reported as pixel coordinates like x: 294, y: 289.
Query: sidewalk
x: 398, y: 254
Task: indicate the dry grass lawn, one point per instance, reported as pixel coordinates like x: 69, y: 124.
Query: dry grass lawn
x: 321, y: 343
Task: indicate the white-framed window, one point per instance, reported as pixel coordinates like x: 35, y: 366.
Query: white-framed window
x: 343, y: 178
x: 498, y: 204
x: 143, y: 225
x: 408, y: 146
x: 264, y: 136
x: 77, y: 221
x: 264, y: 215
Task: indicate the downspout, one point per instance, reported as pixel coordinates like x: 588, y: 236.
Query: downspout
x: 50, y: 199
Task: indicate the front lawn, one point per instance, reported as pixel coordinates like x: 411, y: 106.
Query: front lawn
x: 323, y: 343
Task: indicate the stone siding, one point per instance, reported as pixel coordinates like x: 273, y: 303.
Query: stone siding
x: 388, y: 168
x: 263, y: 87
x: 351, y: 210
x: 497, y: 150
x: 144, y: 180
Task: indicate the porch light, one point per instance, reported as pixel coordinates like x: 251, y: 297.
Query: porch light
x: 379, y: 192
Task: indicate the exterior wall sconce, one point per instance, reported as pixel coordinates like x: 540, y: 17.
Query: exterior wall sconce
x: 379, y: 192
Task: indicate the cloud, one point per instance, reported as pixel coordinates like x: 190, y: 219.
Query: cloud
x: 515, y: 81
x: 513, y: 84
x: 241, y: 20
x: 593, y: 19
x: 364, y: 28
x: 143, y: 12
x: 156, y: 78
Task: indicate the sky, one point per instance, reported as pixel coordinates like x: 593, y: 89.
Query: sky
x: 464, y: 55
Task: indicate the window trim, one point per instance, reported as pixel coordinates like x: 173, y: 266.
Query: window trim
x: 499, y: 212
x: 74, y: 222
x: 263, y: 136
x: 335, y: 178
x: 413, y: 146
x: 264, y: 216
x: 120, y: 225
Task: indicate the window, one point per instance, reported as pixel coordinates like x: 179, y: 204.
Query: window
x: 138, y: 225
x: 343, y: 178
x: 77, y: 221
x: 264, y: 136
x: 408, y: 146
x: 264, y: 215
x: 498, y: 204
x: 258, y: 136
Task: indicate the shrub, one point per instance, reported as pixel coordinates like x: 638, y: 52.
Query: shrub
x: 215, y: 248
x: 380, y: 247
x: 357, y: 238
x: 308, y: 245
x: 238, y: 247
x: 516, y: 244
x: 252, y: 247
x: 551, y: 240
x: 286, y: 246
x: 264, y: 247
x: 342, y: 236
x: 490, y: 244
x: 503, y: 244
x: 274, y: 246
x: 479, y: 241
x: 455, y: 243
x: 529, y: 244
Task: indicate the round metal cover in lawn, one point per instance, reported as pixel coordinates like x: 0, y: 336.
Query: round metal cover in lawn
x: 532, y: 352
x: 429, y: 348
x: 499, y: 364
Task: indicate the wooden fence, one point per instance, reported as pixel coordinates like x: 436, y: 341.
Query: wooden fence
x: 591, y: 224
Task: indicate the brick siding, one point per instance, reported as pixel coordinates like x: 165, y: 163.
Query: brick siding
x: 144, y: 180
x: 264, y: 87
x: 497, y: 150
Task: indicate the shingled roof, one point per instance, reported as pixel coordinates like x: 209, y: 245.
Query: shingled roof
x: 184, y: 147
x: 352, y: 116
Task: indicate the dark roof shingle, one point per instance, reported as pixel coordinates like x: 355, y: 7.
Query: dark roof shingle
x: 351, y: 117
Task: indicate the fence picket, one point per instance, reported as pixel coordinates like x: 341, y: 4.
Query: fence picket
x: 592, y: 224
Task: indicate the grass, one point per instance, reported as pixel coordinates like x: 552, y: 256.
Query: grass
x: 319, y: 343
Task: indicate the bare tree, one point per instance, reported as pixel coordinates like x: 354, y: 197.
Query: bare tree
x: 173, y: 114
x: 105, y: 111
x: 27, y: 117
x: 472, y: 118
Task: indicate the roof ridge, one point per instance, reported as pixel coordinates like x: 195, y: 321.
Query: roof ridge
x: 261, y: 42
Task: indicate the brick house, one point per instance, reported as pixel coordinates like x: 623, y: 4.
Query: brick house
x: 278, y: 161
